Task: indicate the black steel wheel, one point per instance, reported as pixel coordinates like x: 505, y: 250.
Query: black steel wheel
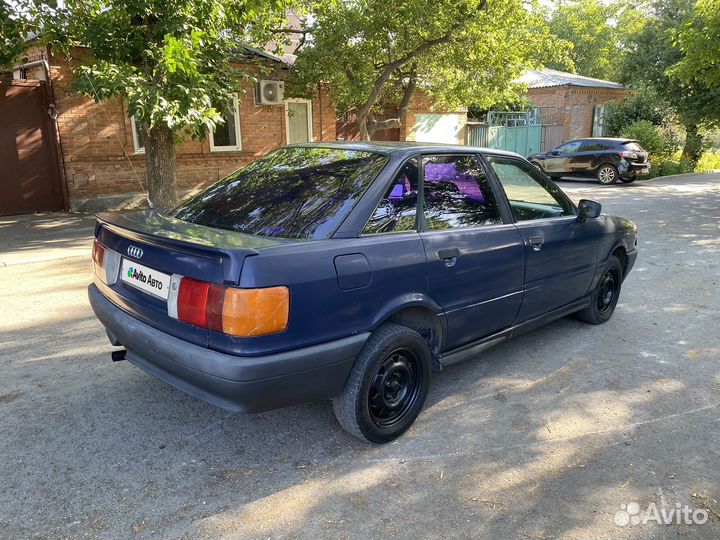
x: 605, y: 296
x: 387, y: 386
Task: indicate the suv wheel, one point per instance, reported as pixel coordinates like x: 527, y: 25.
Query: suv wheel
x: 607, y: 174
x: 605, y: 296
x: 387, y: 386
x: 628, y: 180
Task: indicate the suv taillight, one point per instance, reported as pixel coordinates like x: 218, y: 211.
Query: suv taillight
x: 237, y: 312
x: 629, y: 155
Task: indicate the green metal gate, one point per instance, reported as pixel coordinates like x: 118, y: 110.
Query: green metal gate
x: 519, y: 132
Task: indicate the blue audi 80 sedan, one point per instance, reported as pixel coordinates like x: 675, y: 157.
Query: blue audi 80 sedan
x: 351, y: 272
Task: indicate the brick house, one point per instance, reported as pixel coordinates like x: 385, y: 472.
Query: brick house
x: 574, y: 105
x: 424, y: 121
x: 101, y: 161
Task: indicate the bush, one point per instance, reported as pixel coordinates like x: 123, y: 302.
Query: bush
x: 642, y: 103
x: 709, y: 162
x: 656, y: 140
x: 668, y: 166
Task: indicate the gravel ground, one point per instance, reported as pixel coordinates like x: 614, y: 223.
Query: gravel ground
x: 545, y: 436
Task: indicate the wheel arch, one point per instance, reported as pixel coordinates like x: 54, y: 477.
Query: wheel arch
x: 421, y: 315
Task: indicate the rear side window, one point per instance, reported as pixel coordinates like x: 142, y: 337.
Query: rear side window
x: 594, y: 146
x: 633, y: 147
x: 297, y: 192
x: 398, y: 208
x: 457, y: 193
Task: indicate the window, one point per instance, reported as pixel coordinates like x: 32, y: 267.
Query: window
x: 633, y: 146
x: 226, y: 136
x: 568, y: 148
x: 298, y: 120
x: 138, y: 139
x: 531, y: 196
x: 594, y: 146
x: 296, y: 192
x: 398, y: 207
x: 457, y: 194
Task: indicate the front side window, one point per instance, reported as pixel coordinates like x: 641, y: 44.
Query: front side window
x: 299, y: 192
x: 457, y: 194
x: 530, y: 195
x: 397, y: 209
x: 226, y: 136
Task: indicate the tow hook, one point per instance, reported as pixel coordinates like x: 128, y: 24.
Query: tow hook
x: 118, y: 356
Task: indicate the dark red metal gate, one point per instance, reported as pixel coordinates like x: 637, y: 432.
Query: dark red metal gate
x: 30, y: 177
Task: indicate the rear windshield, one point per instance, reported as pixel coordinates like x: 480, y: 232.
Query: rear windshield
x: 633, y: 146
x: 298, y: 192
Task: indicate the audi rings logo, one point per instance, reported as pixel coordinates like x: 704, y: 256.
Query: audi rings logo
x: 135, y: 252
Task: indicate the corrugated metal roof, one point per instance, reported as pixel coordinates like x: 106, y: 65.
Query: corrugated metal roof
x: 546, y: 78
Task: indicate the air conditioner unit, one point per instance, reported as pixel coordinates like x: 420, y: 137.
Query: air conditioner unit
x: 269, y: 92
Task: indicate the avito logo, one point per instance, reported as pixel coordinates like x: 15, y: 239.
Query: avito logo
x: 142, y: 278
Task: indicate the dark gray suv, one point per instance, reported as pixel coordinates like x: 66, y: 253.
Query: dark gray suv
x: 608, y: 160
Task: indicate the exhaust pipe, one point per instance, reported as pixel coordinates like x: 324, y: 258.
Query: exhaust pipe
x: 118, y: 356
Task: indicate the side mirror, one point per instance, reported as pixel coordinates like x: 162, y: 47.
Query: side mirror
x: 555, y: 153
x: 588, y: 209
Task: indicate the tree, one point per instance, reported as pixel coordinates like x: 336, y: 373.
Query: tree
x: 650, y: 58
x: 641, y: 103
x: 12, y: 32
x: 699, y: 43
x: 167, y: 59
x: 586, y: 25
x: 375, y: 53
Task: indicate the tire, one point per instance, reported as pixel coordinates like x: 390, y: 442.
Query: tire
x: 607, y: 174
x: 628, y: 180
x: 605, y: 296
x: 394, y: 358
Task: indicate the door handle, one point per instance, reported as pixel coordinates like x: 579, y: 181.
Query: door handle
x: 449, y: 255
x: 536, y: 242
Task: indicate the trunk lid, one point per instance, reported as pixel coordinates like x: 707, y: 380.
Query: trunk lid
x: 159, y: 246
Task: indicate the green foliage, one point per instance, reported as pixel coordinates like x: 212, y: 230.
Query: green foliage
x: 168, y: 59
x: 709, y: 161
x: 670, y: 166
x: 12, y: 31
x: 585, y: 24
x: 656, y: 140
x: 698, y: 40
x: 458, y: 51
x: 642, y: 103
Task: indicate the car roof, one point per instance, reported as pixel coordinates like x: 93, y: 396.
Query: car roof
x: 404, y: 147
x: 607, y: 139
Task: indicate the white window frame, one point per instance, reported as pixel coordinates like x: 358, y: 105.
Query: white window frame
x: 309, y: 118
x: 238, y: 133
x: 136, y: 145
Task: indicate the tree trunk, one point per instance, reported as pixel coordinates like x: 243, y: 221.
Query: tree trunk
x: 362, y: 120
x: 160, y: 166
x: 693, y: 144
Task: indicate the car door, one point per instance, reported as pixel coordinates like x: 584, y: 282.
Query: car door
x: 560, y: 250
x: 559, y: 161
x: 586, y: 157
x: 475, y: 255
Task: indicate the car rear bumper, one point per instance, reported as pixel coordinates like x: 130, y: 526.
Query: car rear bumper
x: 236, y: 383
x: 635, y: 169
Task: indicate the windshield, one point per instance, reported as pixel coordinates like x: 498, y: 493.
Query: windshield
x: 297, y: 192
x: 633, y: 146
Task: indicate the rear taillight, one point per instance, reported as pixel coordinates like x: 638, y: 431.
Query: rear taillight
x: 106, y: 263
x: 628, y: 155
x: 237, y: 312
